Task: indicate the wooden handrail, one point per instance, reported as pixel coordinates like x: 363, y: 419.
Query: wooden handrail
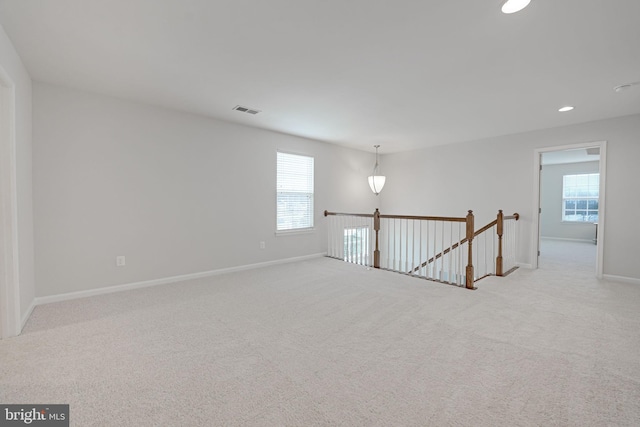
x: 469, y: 236
x: 485, y: 228
x: 455, y: 245
x: 469, y: 219
x: 424, y: 218
x: 327, y: 213
x: 499, y: 272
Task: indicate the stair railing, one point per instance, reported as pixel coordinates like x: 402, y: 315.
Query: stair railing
x: 435, y: 248
x: 507, y: 236
x: 350, y: 237
x: 399, y: 242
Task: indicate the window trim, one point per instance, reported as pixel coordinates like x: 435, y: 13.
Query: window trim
x: 301, y: 230
x: 294, y: 231
x: 576, y: 199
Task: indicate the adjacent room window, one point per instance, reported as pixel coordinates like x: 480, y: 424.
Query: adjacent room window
x: 356, y: 245
x: 294, y: 192
x: 580, y: 197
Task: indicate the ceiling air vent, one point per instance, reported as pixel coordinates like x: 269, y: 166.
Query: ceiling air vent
x: 246, y: 109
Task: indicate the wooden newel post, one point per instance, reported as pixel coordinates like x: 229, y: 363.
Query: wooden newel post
x: 376, y: 227
x: 500, y: 230
x: 470, y: 231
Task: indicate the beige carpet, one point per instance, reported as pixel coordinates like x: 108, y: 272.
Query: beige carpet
x: 326, y: 343
x: 568, y: 257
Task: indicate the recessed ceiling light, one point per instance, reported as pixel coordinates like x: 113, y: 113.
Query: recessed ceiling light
x: 513, y: 6
x: 566, y: 108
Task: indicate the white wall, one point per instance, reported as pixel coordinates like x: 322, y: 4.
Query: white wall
x: 551, y: 224
x: 175, y: 193
x: 12, y: 65
x: 497, y: 173
x: 178, y: 194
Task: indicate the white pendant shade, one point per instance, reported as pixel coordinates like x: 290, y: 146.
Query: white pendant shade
x: 513, y: 6
x: 376, y: 182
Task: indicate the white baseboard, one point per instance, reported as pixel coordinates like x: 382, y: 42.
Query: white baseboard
x: 523, y: 265
x: 155, y: 282
x: 564, y: 239
x: 26, y: 315
x: 621, y: 279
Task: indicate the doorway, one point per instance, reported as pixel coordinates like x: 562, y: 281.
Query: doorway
x: 570, y: 203
x: 9, y: 285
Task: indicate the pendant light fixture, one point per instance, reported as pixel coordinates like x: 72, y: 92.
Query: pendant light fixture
x: 376, y: 181
x: 513, y: 6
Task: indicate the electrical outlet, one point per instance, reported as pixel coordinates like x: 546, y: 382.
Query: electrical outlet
x: 120, y: 261
x: 262, y: 245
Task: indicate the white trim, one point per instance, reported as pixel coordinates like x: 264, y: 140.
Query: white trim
x: 26, y: 315
x: 602, y: 210
x: 565, y: 239
x: 523, y: 265
x: 9, y: 264
x: 165, y: 280
x: 294, y: 231
x: 311, y: 227
x: 535, y: 223
x: 621, y: 279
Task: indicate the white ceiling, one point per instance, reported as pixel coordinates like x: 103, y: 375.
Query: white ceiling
x: 404, y: 74
x: 578, y: 155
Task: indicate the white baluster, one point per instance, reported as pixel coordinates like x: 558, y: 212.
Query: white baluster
x: 420, y: 250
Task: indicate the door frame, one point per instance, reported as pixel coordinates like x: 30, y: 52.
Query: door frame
x: 10, y: 323
x: 535, y: 246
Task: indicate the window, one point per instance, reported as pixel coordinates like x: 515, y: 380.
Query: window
x: 580, y: 197
x: 356, y: 245
x: 294, y: 197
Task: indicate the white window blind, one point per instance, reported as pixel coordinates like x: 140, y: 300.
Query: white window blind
x: 294, y: 192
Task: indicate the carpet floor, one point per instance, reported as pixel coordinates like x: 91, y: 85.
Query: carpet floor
x: 326, y: 343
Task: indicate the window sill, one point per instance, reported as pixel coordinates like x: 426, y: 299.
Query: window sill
x: 580, y: 222
x: 295, y: 231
